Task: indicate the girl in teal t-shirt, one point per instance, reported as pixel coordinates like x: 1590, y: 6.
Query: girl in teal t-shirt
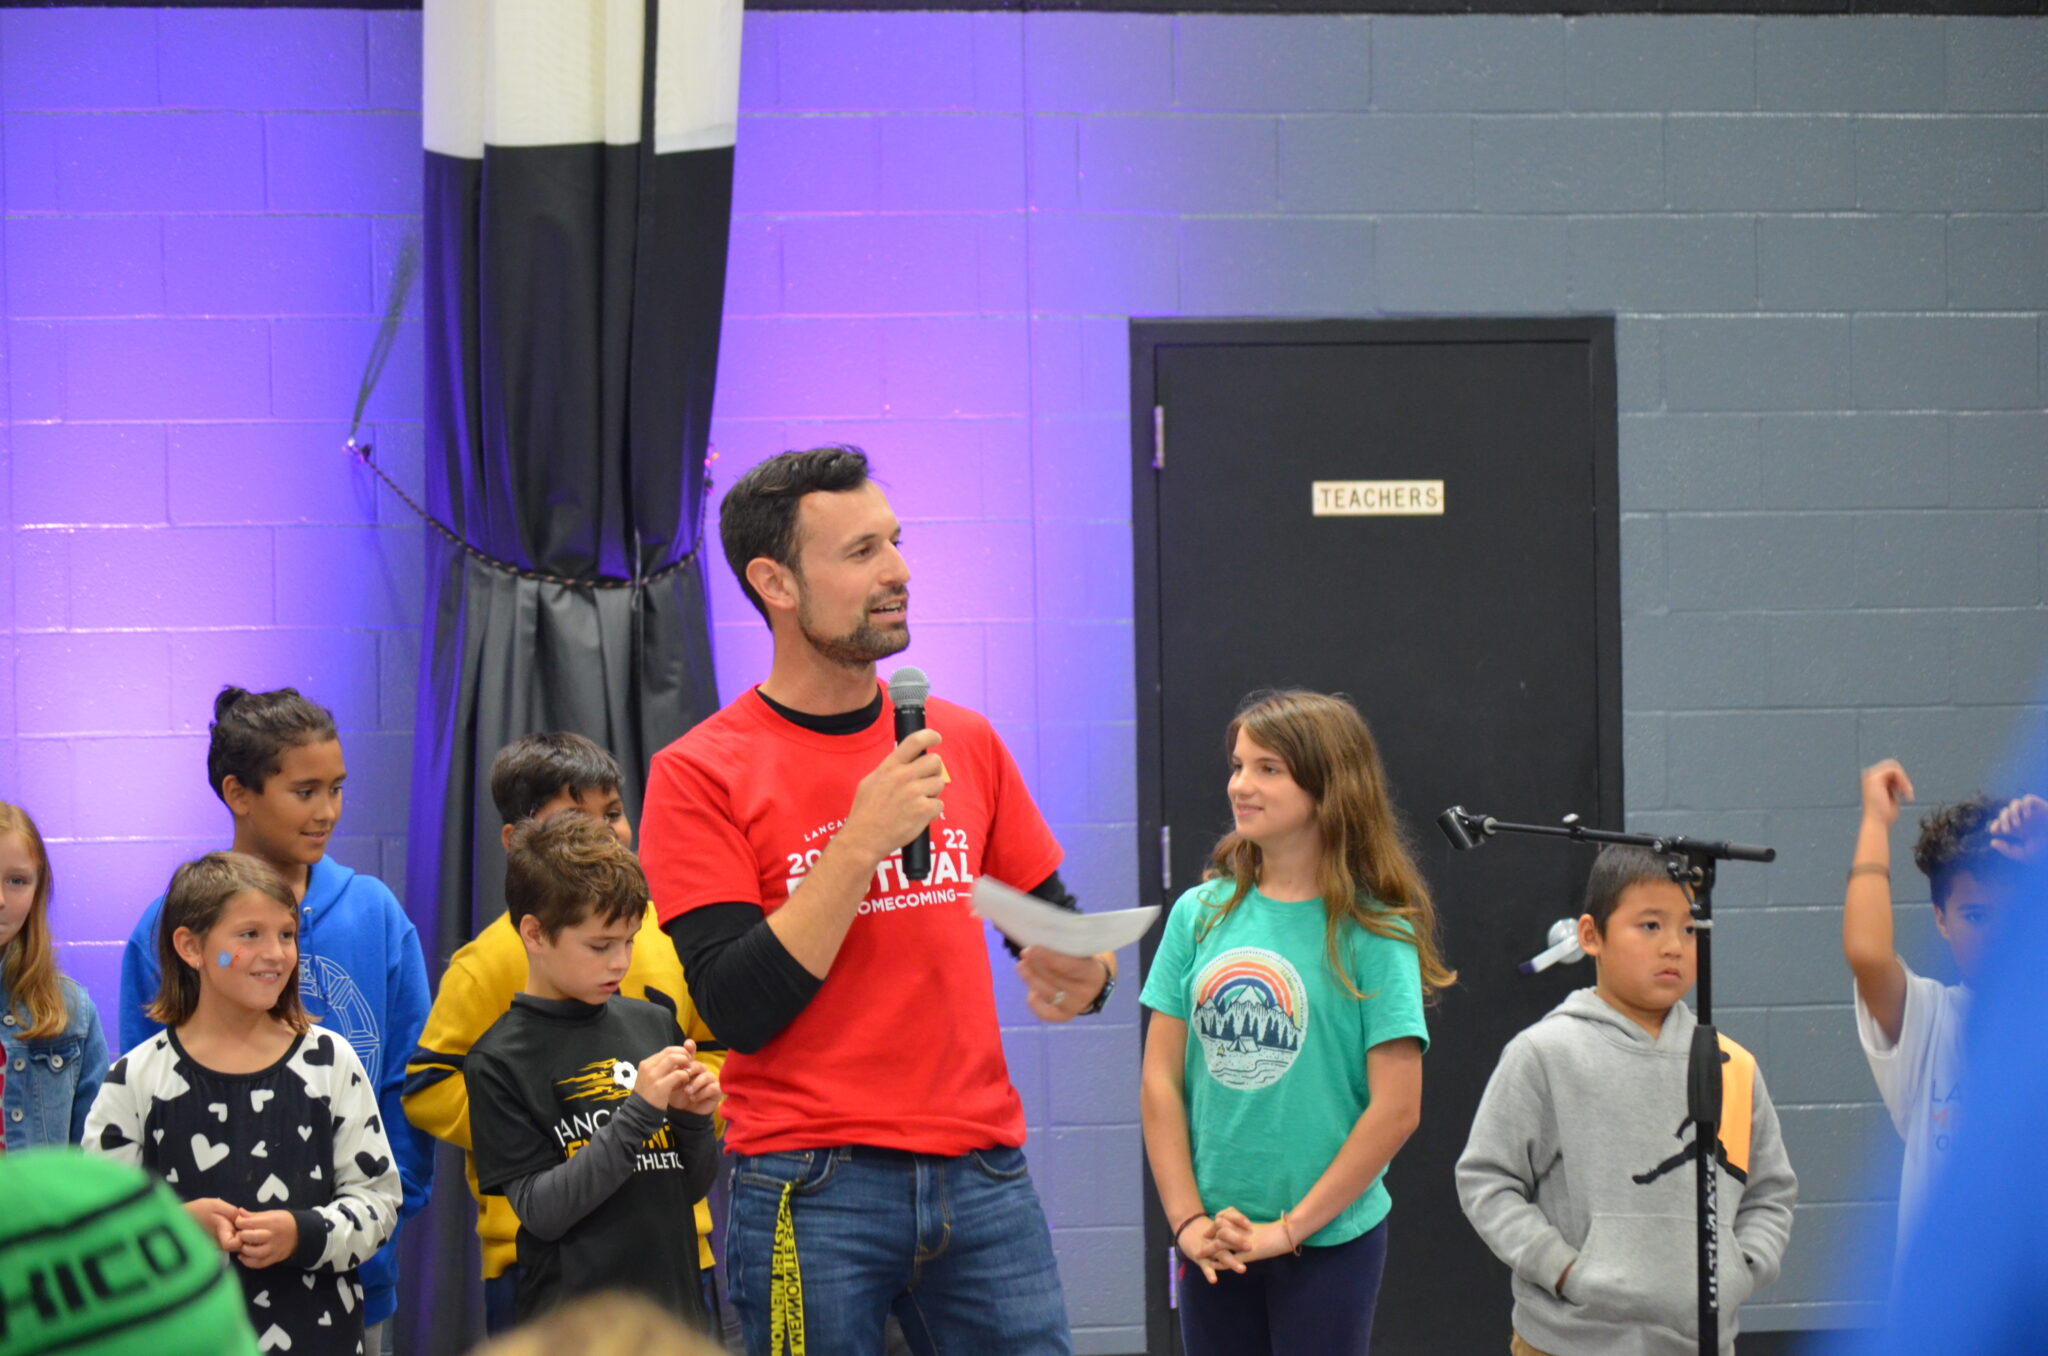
x: 1283, y: 1065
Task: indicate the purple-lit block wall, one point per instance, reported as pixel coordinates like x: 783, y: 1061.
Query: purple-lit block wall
x: 201, y: 208
x: 906, y: 276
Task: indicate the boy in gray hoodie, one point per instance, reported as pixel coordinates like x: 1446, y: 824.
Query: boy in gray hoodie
x: 1579, y: 1170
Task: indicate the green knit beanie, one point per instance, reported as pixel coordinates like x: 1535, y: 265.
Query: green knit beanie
x: 96, y: 1256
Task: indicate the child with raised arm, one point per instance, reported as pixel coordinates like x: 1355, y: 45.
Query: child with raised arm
x: 264, y: 1124
x: 1579, y: 1172
x: 584, y: 1111
x: 1312, y: 944
x: 533, y: 777
x: 274, y: 759
x: 53, y: 1053
x: 1910, y: 1026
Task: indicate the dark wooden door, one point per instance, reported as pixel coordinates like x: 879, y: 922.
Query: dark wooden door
x: 1481, y: 641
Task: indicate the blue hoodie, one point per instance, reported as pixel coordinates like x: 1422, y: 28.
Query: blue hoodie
x: 361, y: 974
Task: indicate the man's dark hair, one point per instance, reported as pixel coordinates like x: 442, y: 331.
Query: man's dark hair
x: 1955, y: 841
x: 533, y: 769
x: 251, y: 731
x: 758, y: 514
x: 1617, y: 868
x: 569, y: 867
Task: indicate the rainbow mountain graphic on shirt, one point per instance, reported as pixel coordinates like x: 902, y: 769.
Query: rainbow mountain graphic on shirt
x: 1250, y: 1015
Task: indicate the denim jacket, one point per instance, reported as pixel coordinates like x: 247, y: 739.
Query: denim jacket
x: 51, y: 1081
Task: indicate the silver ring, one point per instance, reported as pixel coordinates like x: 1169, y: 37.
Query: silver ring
x: 1059, y: 997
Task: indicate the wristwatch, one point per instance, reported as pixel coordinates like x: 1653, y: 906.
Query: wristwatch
x: 1101, y: 999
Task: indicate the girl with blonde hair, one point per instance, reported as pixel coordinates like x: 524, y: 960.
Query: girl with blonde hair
x: 53, y: 1055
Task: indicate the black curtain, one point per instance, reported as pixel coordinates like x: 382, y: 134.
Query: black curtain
x: 576, y: 217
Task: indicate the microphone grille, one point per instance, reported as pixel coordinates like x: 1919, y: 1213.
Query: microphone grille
x: 909, y: 687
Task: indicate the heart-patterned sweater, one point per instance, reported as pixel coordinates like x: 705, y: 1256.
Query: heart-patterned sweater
x: 303, y: 1135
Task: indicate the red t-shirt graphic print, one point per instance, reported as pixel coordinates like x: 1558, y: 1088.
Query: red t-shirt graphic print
x: 900, y: 1047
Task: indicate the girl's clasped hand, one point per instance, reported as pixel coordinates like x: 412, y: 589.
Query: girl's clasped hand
x: 260, y: 1238
x: 1228, y: 1240
x: 267, y: 1237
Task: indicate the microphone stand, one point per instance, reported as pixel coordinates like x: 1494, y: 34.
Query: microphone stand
x: 1691, y: 862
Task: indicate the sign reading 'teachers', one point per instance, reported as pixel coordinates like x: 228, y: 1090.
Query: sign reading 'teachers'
x: 1377, y: 498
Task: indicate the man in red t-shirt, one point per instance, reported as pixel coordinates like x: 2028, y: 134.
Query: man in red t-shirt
x: 876, y: 1135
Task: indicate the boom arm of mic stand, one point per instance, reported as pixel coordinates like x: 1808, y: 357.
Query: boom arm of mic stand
x: 1467, y: 830
x: 1716, y: 851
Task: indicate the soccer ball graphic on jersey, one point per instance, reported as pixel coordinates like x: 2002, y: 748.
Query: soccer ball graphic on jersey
x: 623, y: 1074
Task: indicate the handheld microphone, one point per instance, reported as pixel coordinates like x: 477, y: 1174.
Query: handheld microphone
x: 908, y: 687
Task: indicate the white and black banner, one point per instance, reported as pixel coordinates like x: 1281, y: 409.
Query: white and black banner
x: 579, y: 163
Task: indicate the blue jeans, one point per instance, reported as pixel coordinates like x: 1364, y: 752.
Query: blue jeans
x: 956, y: 1248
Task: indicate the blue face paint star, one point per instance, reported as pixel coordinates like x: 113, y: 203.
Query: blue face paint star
x: 225, y: 960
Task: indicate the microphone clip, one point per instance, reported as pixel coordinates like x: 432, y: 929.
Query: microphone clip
x: 1465, y: 829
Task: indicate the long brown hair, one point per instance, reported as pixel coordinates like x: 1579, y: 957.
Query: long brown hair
x: 200, y: 893
x: 30, y: 963
x: 1367, y: 875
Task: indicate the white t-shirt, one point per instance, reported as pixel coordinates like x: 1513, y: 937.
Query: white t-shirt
x: 1920, y: 1080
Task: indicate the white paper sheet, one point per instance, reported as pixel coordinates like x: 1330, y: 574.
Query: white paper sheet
x: 1029, y: 921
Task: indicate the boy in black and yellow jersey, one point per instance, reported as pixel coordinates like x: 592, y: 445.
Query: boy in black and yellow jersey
x: 534, y: 777
x: 585, y: 1112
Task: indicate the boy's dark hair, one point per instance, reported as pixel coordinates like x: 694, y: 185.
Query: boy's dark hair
x: 758, y: 514
x: 199, y: 893
x: 251, y: 731
x: 1954, y: 841
x: 533, y: 769
x: 1618, y: 867
x: 568, y: 867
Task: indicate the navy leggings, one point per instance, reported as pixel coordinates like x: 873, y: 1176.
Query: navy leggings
x: 1321, y: 1301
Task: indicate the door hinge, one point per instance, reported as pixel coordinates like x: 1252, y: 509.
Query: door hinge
x: 1166, y: 856
x: 1159, y: 437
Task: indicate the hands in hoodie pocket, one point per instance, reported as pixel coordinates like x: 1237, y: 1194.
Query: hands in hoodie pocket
x: 1643, y: 1268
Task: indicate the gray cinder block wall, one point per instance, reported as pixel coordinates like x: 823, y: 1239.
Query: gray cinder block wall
x: 1826, y: 245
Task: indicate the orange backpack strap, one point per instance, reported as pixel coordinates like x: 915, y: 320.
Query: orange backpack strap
x: 1738, y: 1090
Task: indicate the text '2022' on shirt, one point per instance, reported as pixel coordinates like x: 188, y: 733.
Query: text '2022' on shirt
x: 900, y: 1047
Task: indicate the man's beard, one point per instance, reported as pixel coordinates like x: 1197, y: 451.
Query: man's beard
x: 861, y: 646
